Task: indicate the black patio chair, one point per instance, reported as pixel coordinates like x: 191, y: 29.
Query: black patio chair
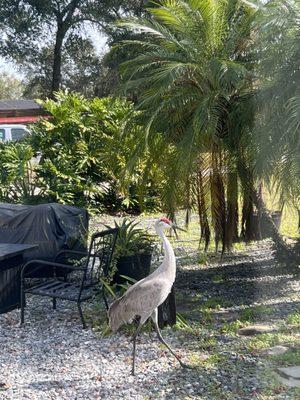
x: 90, y: 268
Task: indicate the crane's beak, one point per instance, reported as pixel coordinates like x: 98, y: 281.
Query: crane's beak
x: 175, y: 227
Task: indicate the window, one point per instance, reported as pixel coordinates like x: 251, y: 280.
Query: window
x: 2, y: 135
x: 18, y: 133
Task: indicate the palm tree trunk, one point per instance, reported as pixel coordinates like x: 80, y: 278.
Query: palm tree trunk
x: 232, y: 209
x: 248, y: 231
x: 188, y: 202
x: 218, y: 204
x: 202, y: 208
x: 248, y: 228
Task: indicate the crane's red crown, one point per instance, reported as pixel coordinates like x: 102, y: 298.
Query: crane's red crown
x: 166, y: 220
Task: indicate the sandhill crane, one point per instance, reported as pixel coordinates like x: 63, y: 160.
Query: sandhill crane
x: 142, y: 299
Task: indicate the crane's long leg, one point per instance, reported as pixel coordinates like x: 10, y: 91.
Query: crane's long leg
x: 154, y: 317
x: 134, y: 345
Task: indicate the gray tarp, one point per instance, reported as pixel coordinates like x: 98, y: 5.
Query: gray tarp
x: 52, y: 227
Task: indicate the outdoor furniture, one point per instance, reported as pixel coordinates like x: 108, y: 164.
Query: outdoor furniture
x: 53, y: 227
x: 11, y: 260
x: 88, y: 271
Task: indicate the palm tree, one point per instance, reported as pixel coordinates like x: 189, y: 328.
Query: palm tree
x: 279, y: 130
x: 197, y: 81
x: 193, y: 77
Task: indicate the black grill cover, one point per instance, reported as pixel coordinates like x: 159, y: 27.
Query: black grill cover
x: 53, y: 227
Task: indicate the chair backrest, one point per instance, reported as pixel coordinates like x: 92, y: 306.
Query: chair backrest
x: 100, y: 255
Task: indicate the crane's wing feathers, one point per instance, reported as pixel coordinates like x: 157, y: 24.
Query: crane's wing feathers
x: 140, y: 299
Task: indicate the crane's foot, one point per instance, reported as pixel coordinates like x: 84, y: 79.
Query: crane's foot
x: 187, y: 366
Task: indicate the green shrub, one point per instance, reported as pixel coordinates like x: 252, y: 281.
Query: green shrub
x: 84, y: 148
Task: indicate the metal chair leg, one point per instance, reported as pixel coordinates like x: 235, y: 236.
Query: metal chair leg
x: 22, y: 312
x: 22, y: 302
x: 81, y: 316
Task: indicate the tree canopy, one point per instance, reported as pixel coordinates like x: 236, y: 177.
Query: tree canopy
x: 10, y: 87
x: 47, y: 38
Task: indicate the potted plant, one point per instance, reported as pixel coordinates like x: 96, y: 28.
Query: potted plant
x: 133, y: 252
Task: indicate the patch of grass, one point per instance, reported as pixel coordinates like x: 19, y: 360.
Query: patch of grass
x: 238, y: 246
x: 195, y: 358
x: 213, y: 359
x: 182, y: 324
x: 253, y: 313
x: 196, y: 297
x: 203, y: 258
x: 208, y: 343
x: 208, y: 362
x: 217, y: 279
x: 293, y: 319
x: 289, y: 222
x: 216, y: 303
x: 188, y: 260
x: 289, y: 358
x: 266, y: 340
x: 231, y: 328
x: 206, y: 316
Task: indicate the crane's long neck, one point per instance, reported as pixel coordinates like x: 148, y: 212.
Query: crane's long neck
x: 169, y: 264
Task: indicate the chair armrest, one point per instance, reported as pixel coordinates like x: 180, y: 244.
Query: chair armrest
x: 48, y: 263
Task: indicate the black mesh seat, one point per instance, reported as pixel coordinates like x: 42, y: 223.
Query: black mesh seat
x: 85, y: 269
x: 61, y: 290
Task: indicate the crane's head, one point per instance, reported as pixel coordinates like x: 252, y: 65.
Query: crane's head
x: 165, y: 223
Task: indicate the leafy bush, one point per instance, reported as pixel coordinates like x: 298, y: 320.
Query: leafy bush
x: 85, y: 151
x: 18, y: 178
x: 85, y: 147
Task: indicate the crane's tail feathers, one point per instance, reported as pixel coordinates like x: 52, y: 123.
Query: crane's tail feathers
x: 118, y: 314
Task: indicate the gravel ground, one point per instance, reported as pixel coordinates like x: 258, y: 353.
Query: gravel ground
x: 52, y: 357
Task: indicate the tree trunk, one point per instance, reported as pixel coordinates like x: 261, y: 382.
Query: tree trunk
x: 248, y: 228
x: 246, y: 177
x: 202, y: 209
x: 56, y: 74
x: 64, y: 23
x: 232, y: 210
x: 188, y: 206
x: 218, y: 204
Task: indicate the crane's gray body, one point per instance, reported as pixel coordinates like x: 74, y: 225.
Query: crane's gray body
x: 142, y: 298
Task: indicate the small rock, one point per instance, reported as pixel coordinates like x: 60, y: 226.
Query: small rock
x: 252, y: 330
x: 275, y: 351
x: 290, y: 376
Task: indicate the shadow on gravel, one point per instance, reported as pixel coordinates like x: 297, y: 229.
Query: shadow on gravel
x: 220, y: 382
x: 238, y: 283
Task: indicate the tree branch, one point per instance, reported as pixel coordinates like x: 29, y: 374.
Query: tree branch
x: 68, y: 11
